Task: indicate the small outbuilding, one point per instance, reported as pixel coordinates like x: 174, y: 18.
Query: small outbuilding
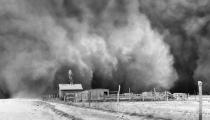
x: 92, y: 95
x: 98, y: 94
x: 180, y: 96
x: 69, y: 90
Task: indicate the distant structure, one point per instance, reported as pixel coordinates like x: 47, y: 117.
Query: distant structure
x: 92, y: 94
x: 180, y: 96
x: 156, y: 96
x: 69, y: 89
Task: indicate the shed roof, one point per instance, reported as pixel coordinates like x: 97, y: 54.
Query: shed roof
x: 70, y: 87
x: 98, y: 89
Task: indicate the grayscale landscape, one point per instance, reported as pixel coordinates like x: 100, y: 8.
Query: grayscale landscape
x: 104, y: 59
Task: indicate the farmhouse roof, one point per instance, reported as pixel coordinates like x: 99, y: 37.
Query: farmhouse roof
x: 70, y: 87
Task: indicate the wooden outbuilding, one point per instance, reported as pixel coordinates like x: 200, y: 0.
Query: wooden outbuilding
x: 69, y: 90
x: 92, y: 95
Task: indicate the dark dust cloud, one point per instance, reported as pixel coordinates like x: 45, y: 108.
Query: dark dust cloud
x: 185, y: 24
x: 140, y: 44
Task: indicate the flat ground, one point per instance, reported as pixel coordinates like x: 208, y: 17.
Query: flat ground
x: 168, y: 110
x: 32, y: 109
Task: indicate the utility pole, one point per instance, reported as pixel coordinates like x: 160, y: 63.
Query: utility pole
x: 200, y: 99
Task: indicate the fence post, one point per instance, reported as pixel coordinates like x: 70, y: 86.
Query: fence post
x: 166, y: 95
x: 129, y: 94
x: 154, y: 99
x: 200, y: 99
x: 89, y: 97
x: 118, y: 98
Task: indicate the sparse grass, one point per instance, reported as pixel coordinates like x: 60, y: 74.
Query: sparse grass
x: 163, y: 110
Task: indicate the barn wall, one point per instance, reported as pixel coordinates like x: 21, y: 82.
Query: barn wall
x: 63, y: 93
x: 94, y: 94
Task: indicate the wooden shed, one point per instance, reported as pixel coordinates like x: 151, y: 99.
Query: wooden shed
x: 69, y: 89
x: 92, y: 94
x: 98, y: 94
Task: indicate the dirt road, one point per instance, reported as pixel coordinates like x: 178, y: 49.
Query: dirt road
x: 34, y: 109
x: 26, y: 109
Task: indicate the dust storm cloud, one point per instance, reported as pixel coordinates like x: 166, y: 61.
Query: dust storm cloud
x: 186, y: 26
x: 104, y: 43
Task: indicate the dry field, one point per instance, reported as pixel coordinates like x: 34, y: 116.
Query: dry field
x: 34, y: 109
x: 168, y: 110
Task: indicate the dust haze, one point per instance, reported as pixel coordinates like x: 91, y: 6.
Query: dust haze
x: 138, y: 44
